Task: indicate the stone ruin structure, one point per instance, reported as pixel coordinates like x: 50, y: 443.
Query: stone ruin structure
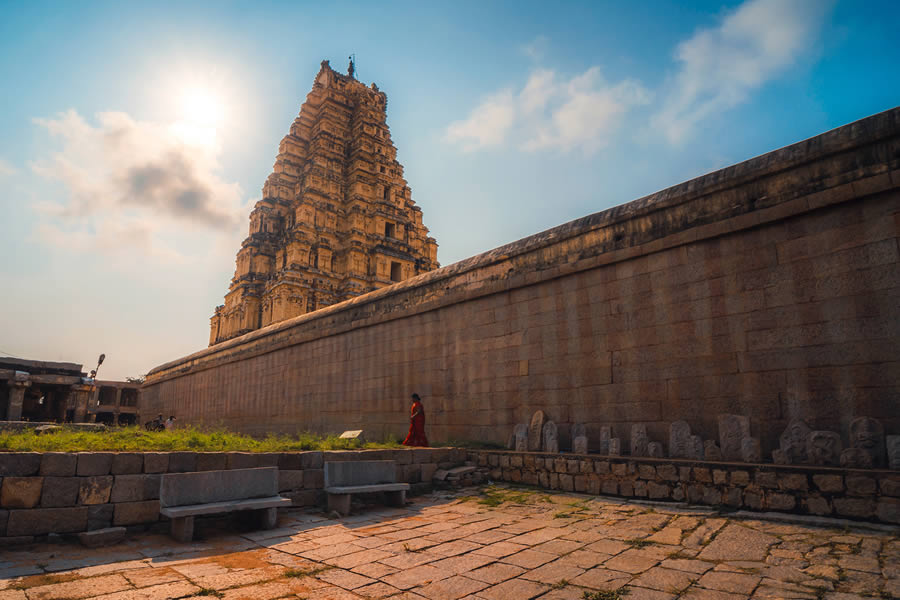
x: 56, y: 392
x: 336, y: 219
x: 766, y: 290
x: 798, y: 444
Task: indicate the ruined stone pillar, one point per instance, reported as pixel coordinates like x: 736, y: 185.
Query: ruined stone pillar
x: 17, y: 396
x: 64, y: 404
x: 83, y: 393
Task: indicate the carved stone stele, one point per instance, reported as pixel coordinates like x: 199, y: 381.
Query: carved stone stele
x: 732, y: 429
x: 605, y: 436
x: 655, y: 450
x: 793, y: 442
x: 521, y: 436
x: 578, y: 429
x: 868, y: 434
x: 615, y: 447
x: 639, y: 440
x: 696, y: 450
x: 679, y: 439
x: 750, y: 450
x: 550, y: 437
x: 779, y: 457
x: 711, y: 451
x: 893, y: 450
x: 824, y: 447
x: 580, y: 444
x: 535, y: 430
x: 856, y: 458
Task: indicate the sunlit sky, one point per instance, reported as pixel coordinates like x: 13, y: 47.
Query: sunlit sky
x: 135, y: 136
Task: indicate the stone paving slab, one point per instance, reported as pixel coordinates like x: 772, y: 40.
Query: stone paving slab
x: 451, y: 546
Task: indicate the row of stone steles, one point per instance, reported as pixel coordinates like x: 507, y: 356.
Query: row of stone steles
x: 799, y: 444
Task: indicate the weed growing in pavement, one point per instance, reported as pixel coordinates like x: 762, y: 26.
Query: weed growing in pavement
x: 560, y: 584
x: 638, y: 543
x: 606, y: 594
x: 209, y: 592
x: 305, y: 572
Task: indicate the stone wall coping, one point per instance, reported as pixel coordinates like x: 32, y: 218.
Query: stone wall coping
x: 688, y: 462
x: 660, y: 208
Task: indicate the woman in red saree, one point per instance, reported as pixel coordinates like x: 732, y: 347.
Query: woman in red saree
x: 416, y: 435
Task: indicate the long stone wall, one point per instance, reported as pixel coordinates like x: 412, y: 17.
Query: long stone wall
x: 871, y: 495
x: 767, y: 289
x: 62, y: 492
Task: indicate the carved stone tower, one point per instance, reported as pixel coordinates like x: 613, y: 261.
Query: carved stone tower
x: 336, y: 219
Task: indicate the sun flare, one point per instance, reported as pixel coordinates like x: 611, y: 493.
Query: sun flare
x: 201, y: 112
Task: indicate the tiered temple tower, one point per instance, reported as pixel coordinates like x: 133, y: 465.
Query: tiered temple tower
x: 336, y: 219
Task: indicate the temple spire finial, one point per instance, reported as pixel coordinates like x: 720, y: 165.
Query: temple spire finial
x: 352, y: 68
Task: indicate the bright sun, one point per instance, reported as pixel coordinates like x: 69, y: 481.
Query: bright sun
x: 201, y: 113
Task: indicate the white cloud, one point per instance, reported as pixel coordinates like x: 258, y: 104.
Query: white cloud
x: 487, y: 125
x: 6, y: 169
x: 536, y: 48
x: 721, y: 66
x: 133, y: 184
x: 548, y: 112
x: 588, y: 114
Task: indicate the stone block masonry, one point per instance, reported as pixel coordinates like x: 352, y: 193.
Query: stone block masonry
x: 767, y: 290
x: 871, y: 495
x: 99, y: 490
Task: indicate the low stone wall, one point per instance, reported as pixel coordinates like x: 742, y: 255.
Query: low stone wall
x: 59, y: 492
x: 872, y: 495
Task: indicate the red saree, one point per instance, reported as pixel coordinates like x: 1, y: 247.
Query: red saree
x: 416, y: 435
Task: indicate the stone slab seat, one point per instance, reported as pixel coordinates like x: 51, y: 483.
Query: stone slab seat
x: 344, y: 478
x: 182, y: 496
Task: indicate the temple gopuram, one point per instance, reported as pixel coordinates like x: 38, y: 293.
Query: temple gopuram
x: 336, y: 219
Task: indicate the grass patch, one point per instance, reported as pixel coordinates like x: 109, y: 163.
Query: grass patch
x: 562, y: 515
x: 495, y: 496
x: 305, y: 572
x: 209, y: 592
x: 637, y: 543
x: 560, y: 584
x: 473, y: 444
x: 606, y: 594
x: 124, y: 439
x: 31, y: 581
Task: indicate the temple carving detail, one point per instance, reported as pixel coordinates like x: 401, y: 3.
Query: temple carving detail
x: 336, y: 219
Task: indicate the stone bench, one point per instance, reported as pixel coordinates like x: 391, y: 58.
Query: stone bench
x: 345, y: 478
x: 182, y: 496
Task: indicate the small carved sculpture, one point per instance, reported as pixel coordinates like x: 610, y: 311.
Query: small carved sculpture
x: 521, y: 437
x: 823, y: 447
x: 793, y: 441
x: 639, y: 439
x: 615, y: 447
x: 893, y: 450
x: 534, y: 431
x: 655, y: 450
x: 605, y: 436
x: 580, y: 444
x: 856, y: 458
x: 711, y: 451
x: 550, y: 437
x: 679, y: 439
x: 750, y: 450
x: 732, y: 429
x: 696, y: 450
x: 868, y: 434
x: 779, y: 457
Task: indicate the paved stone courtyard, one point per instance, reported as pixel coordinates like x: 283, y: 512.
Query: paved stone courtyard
x: 492, y: 544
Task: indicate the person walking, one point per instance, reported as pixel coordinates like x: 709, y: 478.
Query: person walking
x: 416, y: 436
x: 170, y: 423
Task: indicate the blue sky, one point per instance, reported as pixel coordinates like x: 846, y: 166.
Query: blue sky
x: 509, y: 118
